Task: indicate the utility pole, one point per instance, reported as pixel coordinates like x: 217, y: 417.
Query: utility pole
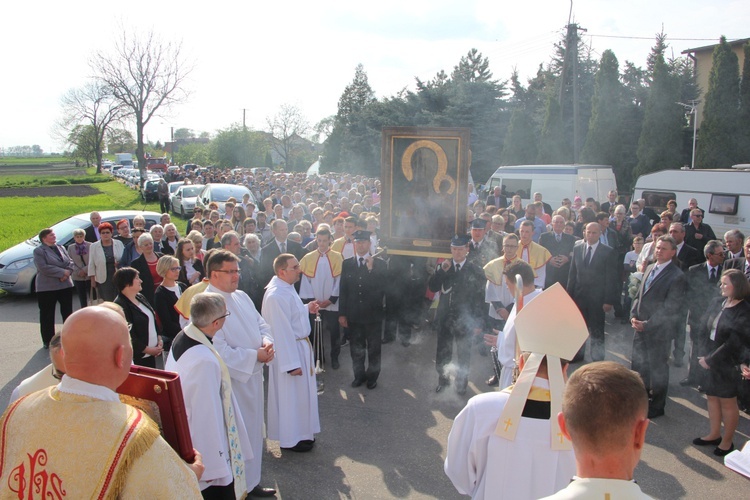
x: 692, y: 109
x: 570, y: 77
x: 244, y: 126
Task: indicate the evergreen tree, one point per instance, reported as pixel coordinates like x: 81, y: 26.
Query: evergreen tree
x: 554, y: 146
x: 717, y: 137
x: 660, y: 142
x: 635, y: 95
x: 520, y: 145
x: 743, y: 128
x: 603, y: 142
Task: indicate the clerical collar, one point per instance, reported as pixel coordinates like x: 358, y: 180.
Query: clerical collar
x: 70, y: 385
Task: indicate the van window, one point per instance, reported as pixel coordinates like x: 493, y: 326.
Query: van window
x: 724, y: 204
x: 521, y: 187
x: 657, y: 200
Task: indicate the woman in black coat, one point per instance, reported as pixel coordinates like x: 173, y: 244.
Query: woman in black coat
x: 144, y: 333
x: 166, y: 296
x: 726, y: 326
x: 145, y: 264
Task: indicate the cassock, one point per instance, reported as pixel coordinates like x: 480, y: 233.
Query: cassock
x: 496, y: 291
x: 506, y: 342
x: 238, y: 341
x: 321, y: 275
x: 600, y: 488
x: 200, y: 378
x: 537, y: 257
x: 483, y: 465
x: 292, y: 400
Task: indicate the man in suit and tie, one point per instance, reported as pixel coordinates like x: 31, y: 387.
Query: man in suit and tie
x: 734, y: 240
x: 560, y: 246
x: 740, y: 263
x: 92, y: 232
x: 702, y: 287
x: 609, y: 205
x: 361, y: 292
x: 656, y: 312
x: 278, y: 245
x: 687, y: 255
x: 497, y: 198
x: 593, y: 285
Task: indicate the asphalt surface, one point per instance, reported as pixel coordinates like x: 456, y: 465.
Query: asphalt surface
x: 390, y: 442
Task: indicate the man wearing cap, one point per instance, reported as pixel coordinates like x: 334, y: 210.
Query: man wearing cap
x: 509, y: 444
x: 363, y: 282
x: 460, y: 312
x: 481, y: 249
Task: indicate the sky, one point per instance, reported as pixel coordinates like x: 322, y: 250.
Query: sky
x: 258, y: 56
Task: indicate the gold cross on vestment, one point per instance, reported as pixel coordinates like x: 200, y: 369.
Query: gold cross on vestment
x: 508, y: 423
x: 561, y: 436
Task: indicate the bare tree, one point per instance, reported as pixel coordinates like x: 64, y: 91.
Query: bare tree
x: 146, y: 75
x: 287, y: 129
x: 92, y: 105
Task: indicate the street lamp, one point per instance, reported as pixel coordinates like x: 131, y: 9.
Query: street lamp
x: 692, y: 110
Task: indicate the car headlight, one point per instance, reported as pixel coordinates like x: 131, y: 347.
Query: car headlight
x: 19, y: 264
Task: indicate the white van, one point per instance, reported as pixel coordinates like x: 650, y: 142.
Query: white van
x: 555, y: 182
x: 723, y: 193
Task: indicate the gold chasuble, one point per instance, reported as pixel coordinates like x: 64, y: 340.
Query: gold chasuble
x: 309, y: 263
x: 56, y: 445
x: 536, y: 254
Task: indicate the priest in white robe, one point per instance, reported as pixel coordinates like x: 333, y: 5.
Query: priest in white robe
x: 216, y: 427
x: 245, y: 343
x: 509, y: 444
x: 292, y: 387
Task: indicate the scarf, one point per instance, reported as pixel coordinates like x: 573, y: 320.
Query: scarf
x: 81, y: 249
x: 238, y: 464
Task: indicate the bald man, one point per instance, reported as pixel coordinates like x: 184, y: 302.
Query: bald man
x: 118, y: 450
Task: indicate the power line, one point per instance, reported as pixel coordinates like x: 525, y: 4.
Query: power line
x: 668, y: 38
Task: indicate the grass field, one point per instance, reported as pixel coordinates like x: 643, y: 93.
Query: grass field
x: 43, y: 160
x: 23, y: 217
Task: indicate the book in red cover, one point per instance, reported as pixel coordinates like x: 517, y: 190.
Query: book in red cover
x: 158, y: 393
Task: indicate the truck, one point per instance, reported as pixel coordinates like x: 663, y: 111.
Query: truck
x: 157, y: 165
x: 555, y: 182
x: 724, y: 194
x: 124, y: 159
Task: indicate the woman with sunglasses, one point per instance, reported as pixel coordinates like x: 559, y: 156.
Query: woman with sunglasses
x: 144, y: 329
x: 166, y: 296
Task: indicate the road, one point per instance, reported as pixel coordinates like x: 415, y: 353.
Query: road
x: 390, y: 442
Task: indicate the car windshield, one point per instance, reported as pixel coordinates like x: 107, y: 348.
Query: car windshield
x: 174, y: 185
x: 224, y: 192
x: 191, y: 191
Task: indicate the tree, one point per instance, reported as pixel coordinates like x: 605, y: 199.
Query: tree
x: 717, y: 137
x: 603, y: 142
x: 83, y: 139
x: 238, y: 146
x: 288, y: 128
x: 146, y: 75
x: 743, y: 129
x: 196, y: 152
x: 183, y: 133
x: 93, y: 104
x: 554, y: 147
x: 472, y: 68
x: 660, y: 142
x: 120, y: 140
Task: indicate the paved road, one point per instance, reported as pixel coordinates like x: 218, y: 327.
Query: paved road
x: 390, y: 442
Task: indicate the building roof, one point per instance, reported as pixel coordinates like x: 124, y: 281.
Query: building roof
x: 710, y: 48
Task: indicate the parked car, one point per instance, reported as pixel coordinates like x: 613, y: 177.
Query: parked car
x: 220, y: 193
x: 183, y: 199
x: 149, y: 191
x: 173, y: 186
x: 17, y: 269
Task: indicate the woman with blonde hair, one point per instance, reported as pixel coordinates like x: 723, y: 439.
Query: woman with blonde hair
x: 166, y: 296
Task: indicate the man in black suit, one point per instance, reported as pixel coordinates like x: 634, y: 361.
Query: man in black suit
x: 697, y: 234
x: 560, y: 245
x: 92, y: 232
x: 734, y: 240
x: 740, y: 263
x: 460, y: 313
x: 686, y: 215
x: 481, y: 249
x: 687, y: 255
x: 593, y: 285
x: 656, y: 312
x: 547, y: 207
x: 497, y: 199
x: 278, y: 245
x: 361, y: 292
x: 611, y: 202
x: 702, y: 287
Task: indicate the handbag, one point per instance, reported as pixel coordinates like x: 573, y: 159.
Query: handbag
x: 94, y: 298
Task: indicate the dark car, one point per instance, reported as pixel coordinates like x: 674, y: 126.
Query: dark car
x: 149, y: 191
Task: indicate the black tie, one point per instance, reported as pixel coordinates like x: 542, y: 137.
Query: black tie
x: 557, y: 237
x: 283, y: 247
x: 458, y: 267
x: 361, y: 262
x: 587, y: 259
x: 712, y: 278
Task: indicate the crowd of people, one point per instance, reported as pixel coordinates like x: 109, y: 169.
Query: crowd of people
x: 290, y: 283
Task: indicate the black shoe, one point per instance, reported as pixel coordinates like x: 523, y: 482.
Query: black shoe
x: 372, y: 384
x: 722, y: 453
x: 686, y: 382
x: 335, y: 364
x: 357, y: 382
x: 262, y: 492
x: 706, y: 442
x: 652, y: 414
x: 493, y: 381
x: 301, y: 447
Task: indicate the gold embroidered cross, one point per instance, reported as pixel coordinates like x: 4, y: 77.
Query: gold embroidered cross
x: 561, y: 436
x: 508, y: 423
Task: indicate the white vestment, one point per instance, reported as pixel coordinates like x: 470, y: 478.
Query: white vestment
x: 292, y: 400
x: 614, y: 489
x: 200, y: 378
x: 323, y: 285
x: 237, y: 342
x: 484, y: 465
x: 506, y: 342
x: 40, y: 380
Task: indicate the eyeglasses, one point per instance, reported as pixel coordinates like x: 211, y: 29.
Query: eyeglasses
x: 510, y: 246
x: 228, y: 313
x: 696, y: 216
x: 231, y: 272
x: 176, y: 268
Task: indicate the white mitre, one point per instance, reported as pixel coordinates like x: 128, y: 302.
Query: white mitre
x: 551, y: 325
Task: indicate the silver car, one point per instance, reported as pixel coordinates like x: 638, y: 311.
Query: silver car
x: 17, y: 269
x: 183, y: 200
